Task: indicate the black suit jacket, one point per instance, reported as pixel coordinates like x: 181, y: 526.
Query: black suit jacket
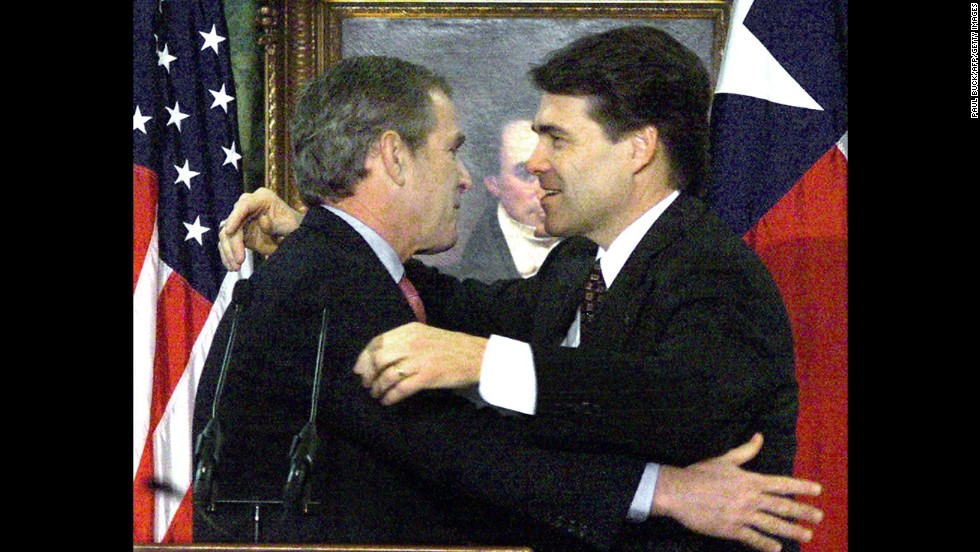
x: 433, y: 469
x: 689, y: 353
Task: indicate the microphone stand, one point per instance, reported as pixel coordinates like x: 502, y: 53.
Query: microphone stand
x: 207, y: 449
x: 303, y: 450
x: 296, y: 492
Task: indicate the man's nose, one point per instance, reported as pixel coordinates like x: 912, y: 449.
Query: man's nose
x: 537, y: 163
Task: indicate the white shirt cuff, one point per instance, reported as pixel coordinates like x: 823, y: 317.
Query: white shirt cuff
x: 507, y: 377
x: 643, y: 499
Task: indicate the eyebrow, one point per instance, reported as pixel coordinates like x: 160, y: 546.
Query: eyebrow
x: 548, y: 129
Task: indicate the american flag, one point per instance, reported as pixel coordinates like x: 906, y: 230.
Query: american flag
x: 187, y: 175
x: 779, y: 138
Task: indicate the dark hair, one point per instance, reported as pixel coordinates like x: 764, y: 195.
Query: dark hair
x: 637, y: 76
x: 343, y: 111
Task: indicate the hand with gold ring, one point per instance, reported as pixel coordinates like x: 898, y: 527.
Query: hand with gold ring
x: 413, y: 357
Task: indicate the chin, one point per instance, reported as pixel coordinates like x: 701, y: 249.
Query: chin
x: 552, y: 230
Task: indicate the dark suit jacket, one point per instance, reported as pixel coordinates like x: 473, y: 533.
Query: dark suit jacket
x: 433, y: 469
x: 487, y: 256
x: 689, y: 353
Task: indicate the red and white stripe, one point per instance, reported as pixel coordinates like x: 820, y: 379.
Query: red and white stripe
x: 172, y: 331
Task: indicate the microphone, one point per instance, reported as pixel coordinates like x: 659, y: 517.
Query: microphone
x: 207, y: 448
x: 296, y: 492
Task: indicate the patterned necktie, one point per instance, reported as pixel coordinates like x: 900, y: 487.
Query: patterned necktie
x: 413, y: 298
x: 595, y: 286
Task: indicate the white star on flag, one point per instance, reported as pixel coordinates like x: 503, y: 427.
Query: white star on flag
x: 212, y: 39
x: 221, y: 98
x: 185, y: 174
x: 175, y: 115
x: 231, y: 156
x: 164, y: 58
x: 195, y: 231
x: 139, y: 120
x: 750, y: 70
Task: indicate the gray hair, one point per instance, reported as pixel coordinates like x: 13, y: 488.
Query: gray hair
x: 342, y: 112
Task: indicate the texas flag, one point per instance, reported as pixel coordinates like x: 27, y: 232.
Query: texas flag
x: 779, y: 164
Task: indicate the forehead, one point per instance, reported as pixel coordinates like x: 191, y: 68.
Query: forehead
x: 568, y: 114
x: 445, y: 112
x: 517, y: 141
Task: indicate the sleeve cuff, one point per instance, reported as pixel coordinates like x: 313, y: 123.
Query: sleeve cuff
x: 507, y: 377
x: 643, y: 499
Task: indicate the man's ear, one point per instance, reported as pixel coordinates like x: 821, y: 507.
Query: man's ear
x: 393, y: 154
x: 645, y: 147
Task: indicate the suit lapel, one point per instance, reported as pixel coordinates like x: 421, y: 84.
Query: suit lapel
x: 560, y: 288
x: 632, y: 287
x: 358, y: 279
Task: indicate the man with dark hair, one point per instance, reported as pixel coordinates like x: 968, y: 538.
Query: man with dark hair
x: 687, y: 354
x: 633, y: 77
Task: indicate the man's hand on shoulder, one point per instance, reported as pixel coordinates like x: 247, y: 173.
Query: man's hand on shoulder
x: 259, y: 221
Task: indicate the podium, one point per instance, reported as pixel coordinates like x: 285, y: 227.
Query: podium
x: 200, y: 547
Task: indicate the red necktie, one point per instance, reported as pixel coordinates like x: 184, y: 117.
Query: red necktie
x: 413, y: 298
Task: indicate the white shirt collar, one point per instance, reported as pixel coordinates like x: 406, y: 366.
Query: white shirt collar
x: 385, y: 252
x: 613, y: 259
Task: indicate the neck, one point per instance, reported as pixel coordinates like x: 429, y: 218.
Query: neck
x: 377, y: 214
x: 605, y: 236
x: 649, y: 185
